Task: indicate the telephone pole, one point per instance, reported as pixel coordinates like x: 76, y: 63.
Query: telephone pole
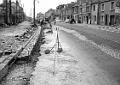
x: 34, y: 12
x: 6, y: 12
x: 16, y: 17
x: 10, y: 13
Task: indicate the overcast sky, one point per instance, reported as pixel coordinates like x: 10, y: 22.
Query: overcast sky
x: 41, y: 5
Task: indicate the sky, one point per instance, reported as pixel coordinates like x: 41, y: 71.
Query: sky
x: 41, y: 5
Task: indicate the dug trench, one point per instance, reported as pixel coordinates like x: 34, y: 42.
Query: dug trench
x: 20, y: 69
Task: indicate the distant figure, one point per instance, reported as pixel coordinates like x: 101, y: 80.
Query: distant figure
x: 72, y: 21
x: 54, y: 21
x: 42, y: 23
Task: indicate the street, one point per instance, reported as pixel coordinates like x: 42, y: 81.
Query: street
x: 106, y: 39
x: 90, y: 57
x: 67, y: 42
x: 80, y: 63
x: 105, y: 58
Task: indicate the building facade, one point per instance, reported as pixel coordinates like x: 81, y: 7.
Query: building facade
x: 75, y: 8
x: 102, y: 12
x: 94, y: 12
x: 107, y: 12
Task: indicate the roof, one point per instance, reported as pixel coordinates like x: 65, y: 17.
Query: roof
x: 2, y: 5
x: 75, y: 4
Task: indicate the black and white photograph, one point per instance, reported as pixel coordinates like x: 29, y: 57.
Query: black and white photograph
x: 59, y: 42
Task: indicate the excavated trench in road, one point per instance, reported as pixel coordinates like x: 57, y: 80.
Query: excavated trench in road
x: 21, y: 70
x: 55, y: 68
x: 63, y: 68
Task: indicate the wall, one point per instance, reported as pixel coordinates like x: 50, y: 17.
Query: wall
x: 1, y: 19
x: 94, y: 13
x: 84, y: 12
x: 107, y: 13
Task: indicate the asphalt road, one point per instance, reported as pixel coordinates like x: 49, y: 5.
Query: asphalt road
x: 102, y: 64
x: 111, y: 39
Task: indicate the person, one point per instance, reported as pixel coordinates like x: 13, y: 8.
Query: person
x: 55, y: 22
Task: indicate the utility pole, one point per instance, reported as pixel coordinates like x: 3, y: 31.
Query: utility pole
x: 6, y: 12
x: 16, y: 12
x: 10, y: 13
x: 34, y: 12
x: 20, y: 10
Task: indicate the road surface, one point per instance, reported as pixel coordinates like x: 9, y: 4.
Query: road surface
x: 83, y: 61
x: 106, y: 56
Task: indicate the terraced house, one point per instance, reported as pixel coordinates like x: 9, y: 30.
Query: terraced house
x: 69, y: 10
x: 75, y: 12
x: 102, y: 12
x: 107, y: 13
x: 94, y: 12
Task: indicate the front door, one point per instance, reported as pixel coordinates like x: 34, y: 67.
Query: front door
x: 106, y: 19
x: 112, y: 20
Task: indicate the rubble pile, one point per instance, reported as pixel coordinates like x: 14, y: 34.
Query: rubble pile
x: 10, y: 44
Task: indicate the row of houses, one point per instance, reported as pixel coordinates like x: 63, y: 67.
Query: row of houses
x: 102, y: 12
x: 50, y: 14
x: 11, y: 12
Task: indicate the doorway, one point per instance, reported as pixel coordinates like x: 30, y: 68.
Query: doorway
x: 112, y: 19
x: 106, y: 19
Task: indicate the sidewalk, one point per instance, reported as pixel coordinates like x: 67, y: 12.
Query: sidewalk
x: 107, y: 28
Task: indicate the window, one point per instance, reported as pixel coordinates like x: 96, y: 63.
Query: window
x: 87, y: 9
x: 84, y: 18
x: 95, y: 18
x: 75, y: 10
x: 94, y: 8
x: 112, y: 5
x: 102, y: 18
x: 102, y: 7
x: 81, y: 10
